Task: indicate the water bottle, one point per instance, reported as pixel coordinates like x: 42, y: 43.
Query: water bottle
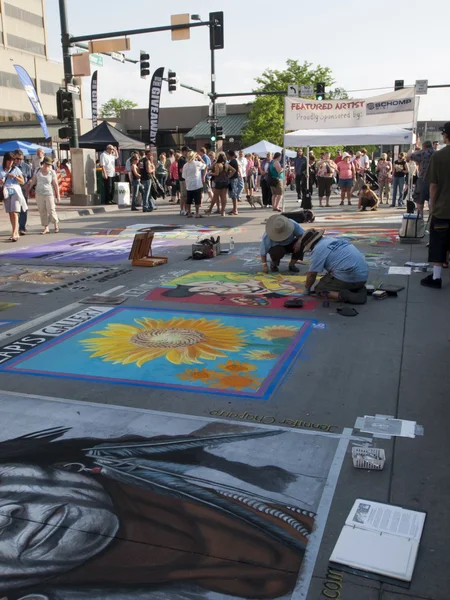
x: 231, y: 243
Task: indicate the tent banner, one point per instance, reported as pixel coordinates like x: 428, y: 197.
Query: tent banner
x: 153, y: 109
x: 395, y: 108
x: 33, y: 97
x: 94, y: 98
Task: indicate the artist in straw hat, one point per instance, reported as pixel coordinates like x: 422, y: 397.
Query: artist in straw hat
x: 346, y: 268
x: 281, y: 237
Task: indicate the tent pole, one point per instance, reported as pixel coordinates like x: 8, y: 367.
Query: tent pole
x: 414, y: 129
x: 307, y: 169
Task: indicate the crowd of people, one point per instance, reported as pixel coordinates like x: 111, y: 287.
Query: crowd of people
x: 18, y: 179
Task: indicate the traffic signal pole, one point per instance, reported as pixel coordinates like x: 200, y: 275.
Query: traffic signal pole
x: 68, y: 73
x: 213, y: 86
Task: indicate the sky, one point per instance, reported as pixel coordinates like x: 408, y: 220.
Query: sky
x: 366, y: 45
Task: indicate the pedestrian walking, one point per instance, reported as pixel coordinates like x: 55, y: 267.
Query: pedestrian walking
x: 161, y: 171
x: 325, y: 172
x: 384, y: 174
x: 108, y: 165
x: 266, y: 192
x: 11, y: 180
x: 193, y: 176
x: 275, y: 179
x: 27, y: 172
x: 438, y: 176
x: 181, y: 163
x: 312, y: 172
x: 37, y: 159
x: 221, y: 173
x: 400, y: 170
x: 236, y: 182
x: 47, y: 194
x: 300, y: 174
x: 175, y: 180
x: 147, y: 172
x: 347, y: 176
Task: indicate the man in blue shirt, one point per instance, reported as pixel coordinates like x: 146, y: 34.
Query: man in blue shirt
x: 282, y: 237
x: 27, y: 172
x: 345, y: 266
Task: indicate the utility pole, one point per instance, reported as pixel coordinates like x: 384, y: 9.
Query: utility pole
x: 213, y: 83
x: 68, y: 73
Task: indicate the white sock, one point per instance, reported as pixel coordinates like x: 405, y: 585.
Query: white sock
x: 437, y: 272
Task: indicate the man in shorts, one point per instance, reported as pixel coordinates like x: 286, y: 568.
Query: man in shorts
x: 438, y: 177
x: 346, y: 268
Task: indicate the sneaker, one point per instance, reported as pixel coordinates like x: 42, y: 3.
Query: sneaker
x: 294, y: 269
x: 274, y: 268
x: 430, y: 282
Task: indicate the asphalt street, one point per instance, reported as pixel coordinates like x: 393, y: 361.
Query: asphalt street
x: 390, y: 359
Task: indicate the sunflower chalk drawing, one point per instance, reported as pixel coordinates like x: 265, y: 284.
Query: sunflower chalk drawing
x: 225, y: 354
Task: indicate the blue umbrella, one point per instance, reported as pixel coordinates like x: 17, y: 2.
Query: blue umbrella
x: 26, y: 147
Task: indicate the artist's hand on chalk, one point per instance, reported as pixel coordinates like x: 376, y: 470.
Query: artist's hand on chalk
x: 265, y: 268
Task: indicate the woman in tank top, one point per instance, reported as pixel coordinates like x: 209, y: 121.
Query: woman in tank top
x: 47, y: 193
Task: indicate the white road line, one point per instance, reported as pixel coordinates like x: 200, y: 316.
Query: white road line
x: 39, y: 320
x: 108, y: 292
x: 312, y: 550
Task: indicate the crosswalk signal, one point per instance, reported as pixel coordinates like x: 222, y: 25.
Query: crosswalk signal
x: 320, y: 91
x: 64, y: 105
x: 173, y: 83
x: 399, y: 84
x: 144, y: 64
x: 219, y: 132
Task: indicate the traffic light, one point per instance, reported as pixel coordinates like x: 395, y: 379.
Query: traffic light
x: 399, y: 84
x: 65, y: 133
x: 219, y: 132
x: 213, y: 133
x: 64, y: 105
x: 320, y: 91
x: 144, y: 64
x: 173, y: 83
x: 216, y: 39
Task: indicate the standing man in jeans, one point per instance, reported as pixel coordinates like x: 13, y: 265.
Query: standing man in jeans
x: 438, y: 177
x: 108, y: 165
x: 300, y: 174
x: 27, y: 172
x: 422, y: 189
x: 147, y: 169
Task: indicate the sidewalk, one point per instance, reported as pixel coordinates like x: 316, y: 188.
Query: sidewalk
x: 65, y: 211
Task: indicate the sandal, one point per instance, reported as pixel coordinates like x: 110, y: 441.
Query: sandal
x: 56, y: 229
x: 45, y: 232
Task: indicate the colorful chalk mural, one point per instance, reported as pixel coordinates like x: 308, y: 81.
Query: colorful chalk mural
x: 133, y: 505
x: 371, y: 236
x: 169, y: 232
x: 243, y: 356
x: 234, y: 289
x: 35, y: 280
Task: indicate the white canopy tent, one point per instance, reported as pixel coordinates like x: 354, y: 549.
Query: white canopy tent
x: 361, y: 136
x: 263, y: 147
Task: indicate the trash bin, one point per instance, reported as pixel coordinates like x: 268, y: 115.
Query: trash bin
x: 122, y: 195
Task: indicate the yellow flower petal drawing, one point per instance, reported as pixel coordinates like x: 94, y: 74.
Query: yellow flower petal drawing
x: 261, y: 355
x: 276, y: 332
x: 179, y: 340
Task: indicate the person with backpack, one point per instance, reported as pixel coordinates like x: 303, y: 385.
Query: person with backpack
x: 221, y: 173
x: 146, y: 171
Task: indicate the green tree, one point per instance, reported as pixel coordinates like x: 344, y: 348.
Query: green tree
x: 112, y: 108
x: 266, y: 115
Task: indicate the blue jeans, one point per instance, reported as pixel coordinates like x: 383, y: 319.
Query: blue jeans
x: 135, y: 189
x: 23, y: 215
x: 398, y: 184
x: 147, y: 204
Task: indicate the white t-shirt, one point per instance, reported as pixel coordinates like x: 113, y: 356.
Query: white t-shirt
x: 192, y: 174
x: 109, y: 162
x: 243, y: 164
x: 365, y: 161
x: 44, y: 183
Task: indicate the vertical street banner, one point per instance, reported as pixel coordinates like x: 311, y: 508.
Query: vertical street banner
x: 94, y: 99
x: 32, y: 94
x: 153, y: 109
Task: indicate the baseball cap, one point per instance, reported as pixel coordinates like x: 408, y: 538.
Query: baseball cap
x: 446, y: 129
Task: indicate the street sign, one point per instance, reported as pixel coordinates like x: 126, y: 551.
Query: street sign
x: 292, y: 90
x: 212, y: 121
x: 118, y: 56
x: 221, y: 109
x: 73, y: 89
x: 96, y: 59
x: 307, y: 90
x: 421, y: 86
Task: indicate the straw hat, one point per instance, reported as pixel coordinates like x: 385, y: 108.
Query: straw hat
x: 279, y: 228
x: 345, y: 155
x: 310, y: 238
